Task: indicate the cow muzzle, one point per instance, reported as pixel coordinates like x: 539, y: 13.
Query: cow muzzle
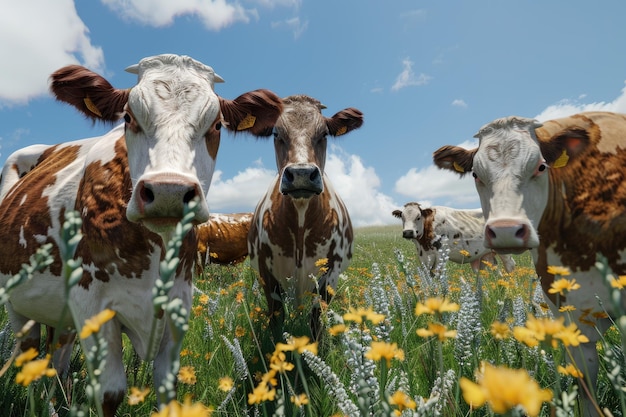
x: 158, y: 202
x: 301, y: 181
x: 510, y: 236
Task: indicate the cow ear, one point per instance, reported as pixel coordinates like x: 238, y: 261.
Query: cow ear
x: 427, y: 212
x: 397, y: 213
x: 89, y: 92
x: 561, y: 148
x: 344, y: 121
x: 255, y: 112
x: 455, y: 158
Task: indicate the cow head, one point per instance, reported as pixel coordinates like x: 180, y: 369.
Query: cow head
x: 300, y: 143
x: 413, y: 217
x: 511, y: 169
x: 172, y: 129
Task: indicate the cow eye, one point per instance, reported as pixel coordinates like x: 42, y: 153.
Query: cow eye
x: 476, y: 177
x: 541, y: 168
x: 127, y: 118
x: 218, y: 126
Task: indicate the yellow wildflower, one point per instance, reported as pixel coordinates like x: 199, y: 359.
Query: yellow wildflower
x: 187, y: 375
x: 337, y: 329
x: 187, y: 409
x: 503, y: 389
x: 239, y: 297
x: 384, y: 350
x: 558, y: 270
x: 435, y: 305
x: 34, y: 370
x: 566, y: 308
x: 526, y: 336
x: 465, y: 253
x: 321, y: 262
x: 570, y: 370
x: 260, y: 393
x: 299, y: 344
x: 357, y: 315
x: 437, y: 329
x: 402, y: 401
x: 619, y: 283
x: 563, y: 286
x: 137, y: 395
x: 26, y: 356
x: 203, y: 299
x: 330, y: 291
x: 93, y: 324
x: 300, y: 400
x: 279, y: 363
x: 500, y: 330
x: 226, y: 383
x: 571, y: 336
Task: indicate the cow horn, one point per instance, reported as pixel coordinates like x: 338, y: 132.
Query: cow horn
x: 133, y: 69
x: 217, y: 78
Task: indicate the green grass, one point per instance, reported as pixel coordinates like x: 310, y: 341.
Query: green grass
x: 229, y: 310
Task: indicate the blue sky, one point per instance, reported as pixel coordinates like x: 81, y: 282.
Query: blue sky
x: 424, y: 73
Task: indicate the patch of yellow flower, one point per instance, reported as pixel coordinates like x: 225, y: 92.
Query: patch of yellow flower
x: 500, y: 331
x: 558, y: 270
x: 358, y: 315
x: 187, y: 375
x: 92, y: 325
x: 570, y: 369
x: 186, y: 409
x: 619, y: 283
x: 384, y: 350
x: 503, y: 389
x: 439, y: 330
x: 402, y: 402
x: 226, y: 384
x: 549, y: 331
x: 137, y: 395
x: 32, y: 370
x: 435, y: 305
x: 563, y: 286
x: 300, y: 400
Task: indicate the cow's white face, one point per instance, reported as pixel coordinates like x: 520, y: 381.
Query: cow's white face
x: 412, y: 221
x: 172, y: 122
x: 512, y: 182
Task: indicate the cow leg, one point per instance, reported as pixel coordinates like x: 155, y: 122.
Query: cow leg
x: 316, y: 323
x: 27, y: 336
x: 275, y: 309
x: 113, y: 375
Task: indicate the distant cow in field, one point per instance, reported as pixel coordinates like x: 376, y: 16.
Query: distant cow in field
x: 302, y: 220
x: 557, y: 189
x: 223, y: 240
x: 461, y: 230
x: 130, y: 187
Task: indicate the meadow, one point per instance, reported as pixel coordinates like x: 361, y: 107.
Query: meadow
x: 397, y: 342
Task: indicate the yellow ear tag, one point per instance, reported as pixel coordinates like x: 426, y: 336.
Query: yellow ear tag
x: 247, y: 122
x: 458, y: 167
x: 561, y: 161
x: 341, y: 131
x: 92, y: 107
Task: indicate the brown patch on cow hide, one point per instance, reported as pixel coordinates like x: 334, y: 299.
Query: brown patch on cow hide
x: 587, y: 208
x: 212, y: 139
x: 111, y: 242
x: 25, y: 215
x: 428, y: 236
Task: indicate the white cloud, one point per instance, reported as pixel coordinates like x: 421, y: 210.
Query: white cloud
x: 459, y: 103
x: 356, y: 184
x: 568, y: 107
x: 407, y: 77
x: 36, y: 38
x: 294, y: 24
x: 214, y: 14
x: 240, y: 193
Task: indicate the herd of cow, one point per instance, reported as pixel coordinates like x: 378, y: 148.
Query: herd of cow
x: 556, y: 189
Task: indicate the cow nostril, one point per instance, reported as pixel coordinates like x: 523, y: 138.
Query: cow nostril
x: 490, y: 233
x: 189, y: 195
x: 289, y: 175
x: 314, y: 175
x: 146, y: 194
x: 521, y: 232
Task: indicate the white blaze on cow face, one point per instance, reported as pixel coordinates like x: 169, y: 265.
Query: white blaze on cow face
x: 168, y: 115
x: 512, y: 182
x: 412, y: 221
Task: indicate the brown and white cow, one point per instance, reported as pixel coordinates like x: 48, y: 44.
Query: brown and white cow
x: 301, y: 219
x: 461, y: 231
x: 558, y: 189
x: 223, y: 240
x: 130, y: 187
